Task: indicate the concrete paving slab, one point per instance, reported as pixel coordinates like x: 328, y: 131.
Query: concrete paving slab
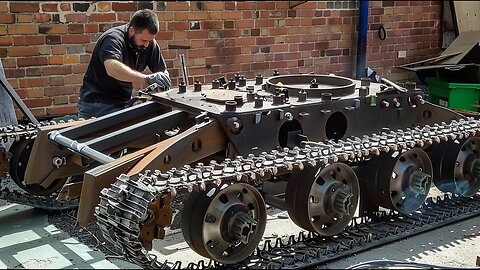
x: 27, y: 240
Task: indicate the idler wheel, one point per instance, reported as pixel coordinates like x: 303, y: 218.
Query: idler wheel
x: 398, y: 181
x: 323, y: 200
x: 225, y: 224
x: 21, y: 151
x: 457, y: 167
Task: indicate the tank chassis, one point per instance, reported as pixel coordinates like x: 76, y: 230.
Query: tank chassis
x: 319, y: 146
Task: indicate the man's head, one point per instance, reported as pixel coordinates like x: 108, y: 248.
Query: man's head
x: 142, y: 29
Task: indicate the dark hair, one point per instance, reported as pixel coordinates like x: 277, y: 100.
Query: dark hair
x: 145, y: 19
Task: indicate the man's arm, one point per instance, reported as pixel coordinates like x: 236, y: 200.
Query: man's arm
x: 122, y: 72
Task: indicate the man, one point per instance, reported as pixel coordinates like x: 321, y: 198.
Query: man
x: 119, y: 57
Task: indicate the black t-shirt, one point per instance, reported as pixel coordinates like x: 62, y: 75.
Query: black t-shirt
x: 98, y: 86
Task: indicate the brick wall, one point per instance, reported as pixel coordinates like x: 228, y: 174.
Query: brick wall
x: 45, y: 46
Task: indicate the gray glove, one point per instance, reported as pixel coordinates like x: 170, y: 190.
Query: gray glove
x: 161, y: 78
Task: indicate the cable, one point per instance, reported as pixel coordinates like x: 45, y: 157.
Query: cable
x: 392, y: 263
x: 382, y: 33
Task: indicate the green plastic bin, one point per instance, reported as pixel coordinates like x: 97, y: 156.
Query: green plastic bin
x: 463, y: 96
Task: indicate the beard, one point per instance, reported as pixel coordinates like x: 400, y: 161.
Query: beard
x: 137, y: 48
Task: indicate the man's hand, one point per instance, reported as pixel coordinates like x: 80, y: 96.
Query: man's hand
x: 161, y: 78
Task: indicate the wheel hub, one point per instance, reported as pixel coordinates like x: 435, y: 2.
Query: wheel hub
x: 225, y: 224
x: 418, y: 182
x: 342, y: 201
x: 242, y: 226
x: 323, y: 200
x: 457, y: 167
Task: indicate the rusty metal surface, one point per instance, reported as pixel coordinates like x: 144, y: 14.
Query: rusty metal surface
x: 4, y: 164
x: 222, y: 95
x: 161, y: 217
x: 198, y: 142
x: 38, y: 169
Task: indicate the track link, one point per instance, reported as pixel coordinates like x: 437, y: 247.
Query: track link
x: 123, y: 208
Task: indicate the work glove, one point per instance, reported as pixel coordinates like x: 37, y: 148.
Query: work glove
x: 160, y: 78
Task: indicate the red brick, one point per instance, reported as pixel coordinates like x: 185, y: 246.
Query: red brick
x: 74, y: 79
x: 197, y: 34
x: 60, y: 100
x: 248, y: 5
x: 62, y: 110
x: 75, y: 28
x: 4, y: 7
x: 231, y: 51
x: 181, y: 16
x: 65, y: 7
x: 319, y: 21
x: 22, y: 29
x: 15, y: 73
x: 229, y: 33
x: 50, y: 7
x: 60, y: 70
x: 123, y: 17
x: 73, y: 99
x: 164, y: 36
x: 79, y: 68
x: 30, y: 40
x: 245, y: 41
x: 42, y: 17
x: 76, y: 39
x: 260, y: 66
x: 38, y: 102
x: 33, y: 82
x: 6, y: 41
x: 76, y: 17
x: 211, y: 25
x: 306, y: 46
x: 231, y: 15
x: 102, y: 17
x: 53, y: 29
x: 70, y: 59
x: 268, y: 5
x: 119, y: 6
x: 265, y: 40
x: 244, y: 24
x: 59, y: 90
x: 7, y: 18
x: 22, y: 51
x: 178, y: 26
x: 197, y: 16
x: 174, y: 6
x: 91, y: 28
x: 31, y: 61
x: 56, y: 80
x: 34, y: 93
x: 212, y: 5
x: 24, y: 7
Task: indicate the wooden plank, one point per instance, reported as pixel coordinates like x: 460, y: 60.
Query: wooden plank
x: 467, y: 14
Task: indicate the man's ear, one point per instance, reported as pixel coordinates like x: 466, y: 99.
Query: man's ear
x: 131, y: 31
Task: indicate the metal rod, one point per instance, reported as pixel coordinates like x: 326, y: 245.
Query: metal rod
x: 362, y: 39
x: 184, y: 69
x: 275, y: 201
x: 80, y: 148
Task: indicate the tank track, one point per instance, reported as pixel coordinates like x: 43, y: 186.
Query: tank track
x: 26, y: 132
x: 123, y: 208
